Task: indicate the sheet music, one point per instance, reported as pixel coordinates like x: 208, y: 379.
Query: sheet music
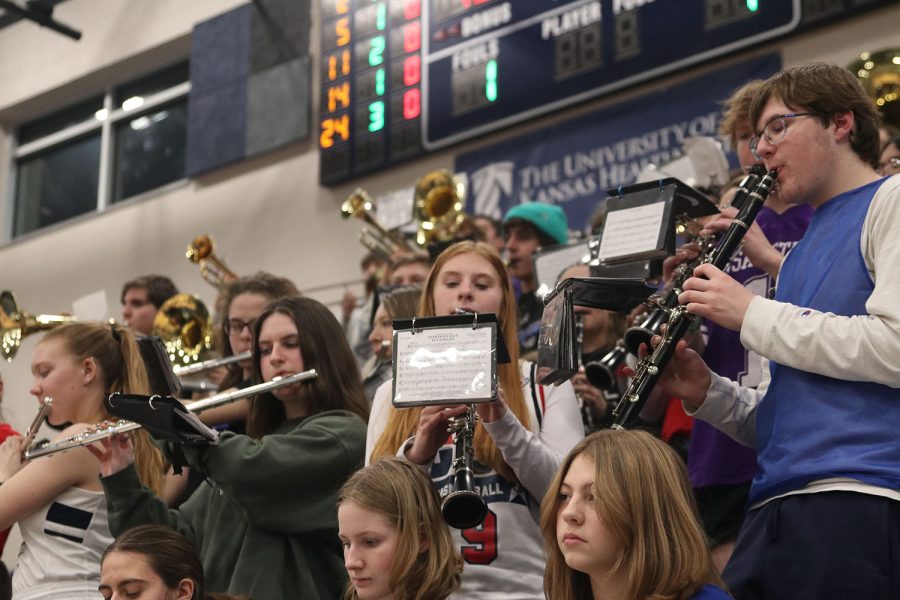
x: 446, y: 365
x: 632, y: 232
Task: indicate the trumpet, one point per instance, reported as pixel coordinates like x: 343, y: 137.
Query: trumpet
x: 116, y: 426
x: 16, y: 325
x: 650, y: 368
x: 381, y: 242
x: 464, y: 507
x: 213, y: 270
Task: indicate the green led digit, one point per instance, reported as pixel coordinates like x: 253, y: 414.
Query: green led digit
x: 752, y: 5
x: 490, y: 80
x: 381, y: 17
x: 379, y: 82
x: 376, y: 116
x: 376, y: 51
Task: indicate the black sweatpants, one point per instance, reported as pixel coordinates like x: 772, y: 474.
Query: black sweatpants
x: 823, y: 546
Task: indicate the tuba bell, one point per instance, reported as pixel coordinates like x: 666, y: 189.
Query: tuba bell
x: 439, y: 200
x: 184, y: 326
x: 16, y: 325
x: 201, y: 252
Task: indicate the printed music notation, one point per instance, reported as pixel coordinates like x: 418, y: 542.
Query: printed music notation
x: 446, y: 365
x: 632, y: 233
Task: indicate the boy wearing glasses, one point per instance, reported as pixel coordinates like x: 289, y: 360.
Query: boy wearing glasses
x: 824, y: 518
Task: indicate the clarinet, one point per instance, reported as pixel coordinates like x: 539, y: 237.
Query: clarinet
x: 464, y: 507
x: 648, y: 323
x: 650, y: 368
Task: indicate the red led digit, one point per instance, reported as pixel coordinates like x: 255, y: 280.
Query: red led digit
x: 412, y: 36
x: 412, y: 103
x: 412, y: 70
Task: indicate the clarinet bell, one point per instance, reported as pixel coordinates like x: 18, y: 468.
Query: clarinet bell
x: 464, y: 508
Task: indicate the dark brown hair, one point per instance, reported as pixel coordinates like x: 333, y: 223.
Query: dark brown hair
x: 262, y: 283
x: 159, y: 288
x: 171, y: 556
x: 324, y: 348
x: 826, y: 90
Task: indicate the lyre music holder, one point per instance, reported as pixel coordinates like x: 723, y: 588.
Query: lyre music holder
x: 447, y: 360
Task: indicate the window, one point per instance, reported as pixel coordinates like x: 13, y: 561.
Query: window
x: 101, y: 150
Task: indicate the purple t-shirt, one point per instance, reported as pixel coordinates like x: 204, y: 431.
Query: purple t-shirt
x: 714, y: 458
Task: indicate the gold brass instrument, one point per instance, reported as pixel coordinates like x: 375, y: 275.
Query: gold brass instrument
x: 879, y: 74
x: 185, y: 328
x: 201, y: 252
x: 439, y: 199
x: 16, y: 325
x: 381, y: 242
x: 463, y: 507
x: 112, y: 427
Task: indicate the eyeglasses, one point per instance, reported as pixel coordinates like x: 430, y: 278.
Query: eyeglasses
x: 236, y: 326
x: 775, y: 131
x: 890, y: 167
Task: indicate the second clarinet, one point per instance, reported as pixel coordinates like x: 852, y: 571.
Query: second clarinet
x: 650, y: 368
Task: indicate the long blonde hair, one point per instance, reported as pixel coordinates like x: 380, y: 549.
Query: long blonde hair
x: 643, y: 495
x: 116, y: 354
x: 405, y: 497
x: 402, y: 423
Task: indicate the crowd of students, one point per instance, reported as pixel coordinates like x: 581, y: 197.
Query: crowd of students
x: 321, y: 491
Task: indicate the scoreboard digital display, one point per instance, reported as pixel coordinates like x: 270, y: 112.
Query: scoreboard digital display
x: 490, y: 63
x: 400, y: 77
x: 371, y: 76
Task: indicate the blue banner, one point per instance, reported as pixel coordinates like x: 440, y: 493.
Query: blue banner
x: 573, y: 163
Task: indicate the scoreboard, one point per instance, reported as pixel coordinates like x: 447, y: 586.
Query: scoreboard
x: 401, y: 77
x: 493, y: 63
x: 371, y: 103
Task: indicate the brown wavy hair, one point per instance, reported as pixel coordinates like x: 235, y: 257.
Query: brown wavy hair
x: 116, y: 353
x: 323, y: 346
x: 402, y: 423
x: 643, y: 495
x: 405, y: 497
x: 827, y: 90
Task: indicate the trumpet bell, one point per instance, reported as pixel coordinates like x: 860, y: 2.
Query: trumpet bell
x: 16, y: 325
x: 201, y: 251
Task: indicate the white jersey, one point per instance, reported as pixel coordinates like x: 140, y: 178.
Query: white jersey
x: 504, y: 557
x: 61, y: 548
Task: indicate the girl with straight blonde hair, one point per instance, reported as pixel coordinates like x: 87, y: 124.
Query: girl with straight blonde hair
x: 396, y: 544
x: 57, y: 500
x: 620, y: 523
x: 519, y: 439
